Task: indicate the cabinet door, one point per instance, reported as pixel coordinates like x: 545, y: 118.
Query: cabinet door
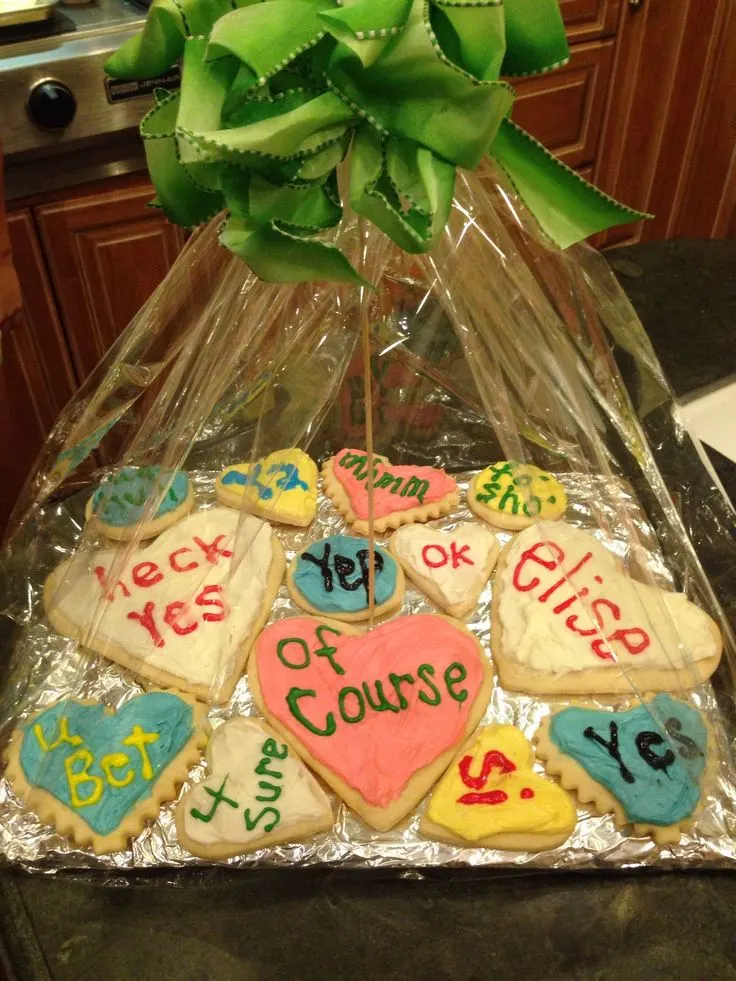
x: 564, y: 109
x: 586, y: 20
x: 106, y: 252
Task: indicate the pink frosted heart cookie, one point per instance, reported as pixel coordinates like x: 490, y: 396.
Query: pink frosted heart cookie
x: 451, y: 567
x: 568, y: 619
x: 182, y: 612
x: 400, y: 494
x: 377, y: 715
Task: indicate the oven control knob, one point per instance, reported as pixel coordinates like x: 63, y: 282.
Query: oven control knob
x: 51, y: 104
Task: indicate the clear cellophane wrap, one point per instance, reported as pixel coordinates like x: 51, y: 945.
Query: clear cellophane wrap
x: 495, y: 346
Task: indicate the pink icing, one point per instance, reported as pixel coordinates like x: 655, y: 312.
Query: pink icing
x: 389, y: 499
x: 378, y: 754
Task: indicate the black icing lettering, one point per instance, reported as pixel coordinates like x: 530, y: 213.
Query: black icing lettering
x: 612, y: 746
x: 688, y: 748
x: 323, y: 565
x: 644, y: 742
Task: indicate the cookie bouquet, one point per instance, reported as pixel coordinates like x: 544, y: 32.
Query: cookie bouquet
x: 354, y: 549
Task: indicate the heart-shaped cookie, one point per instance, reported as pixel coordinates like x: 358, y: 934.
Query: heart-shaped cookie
x: 98, y: 775
x: 400, y: 494
x: 331, y: 578
x: 451, y: 567
x: 491, y: 797
x: 281, y: 487
x: 258, y: 794
x: 568, y: 619
x: 377, y: 715
x: 139, y: 502
x: 182, y: 612
x: 644, y: 765
x: 515, y: 495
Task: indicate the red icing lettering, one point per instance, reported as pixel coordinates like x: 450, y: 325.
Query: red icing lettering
x: 526, y: 793
x: 488, y: 797
x: 442, y: 559
x: 568, y: 575
x: 146, y: 574
x: 493, y: 760
x: 634, y: 639
x: 174, y: 562
x: 109, y: 593
x: 204, y: 600
x: 531, y: 556
x: 458, y: 555
x: 213, y: 552
x: 146, y: 620
x: 171, y: 616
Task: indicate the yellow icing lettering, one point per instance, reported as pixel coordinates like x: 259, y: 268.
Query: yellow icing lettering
x: 82, y: 777
x: 116, y: 761
x: 491, y: 789
x: 139, y: 739
x: 63, y: 736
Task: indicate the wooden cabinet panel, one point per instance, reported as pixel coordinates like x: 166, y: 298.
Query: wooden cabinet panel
x: 586, y: 20
x: 564, y: 110
x: 107, y: 252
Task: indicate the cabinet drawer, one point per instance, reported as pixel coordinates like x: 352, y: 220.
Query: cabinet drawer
x: 106, y: 253
x: 589, y: 19
x: 564, y: 109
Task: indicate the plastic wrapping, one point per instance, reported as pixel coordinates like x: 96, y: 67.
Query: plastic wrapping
x: 492, y: 347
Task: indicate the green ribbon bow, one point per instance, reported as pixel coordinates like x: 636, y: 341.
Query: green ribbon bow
x: 274, y: 94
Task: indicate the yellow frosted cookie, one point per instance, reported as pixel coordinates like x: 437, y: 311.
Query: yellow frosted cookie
x: 515, y: 495
x: 280, y: 487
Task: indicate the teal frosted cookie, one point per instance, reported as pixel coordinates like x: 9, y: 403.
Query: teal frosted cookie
x: 118, y: 506
x: 331, y: 577
x: 98, y: 775
x: 645, y: 765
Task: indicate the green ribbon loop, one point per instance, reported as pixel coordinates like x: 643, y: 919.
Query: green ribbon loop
x: 275, y: 93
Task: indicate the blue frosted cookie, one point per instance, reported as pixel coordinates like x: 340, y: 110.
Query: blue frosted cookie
x: 120, y: 507
x: 330, y: 577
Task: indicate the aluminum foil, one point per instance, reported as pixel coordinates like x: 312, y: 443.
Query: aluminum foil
x: 47, y: 667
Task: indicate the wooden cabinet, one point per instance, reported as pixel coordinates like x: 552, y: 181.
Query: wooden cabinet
x: 106, y: 253
x: 589, y: 19
x: 564, y: 109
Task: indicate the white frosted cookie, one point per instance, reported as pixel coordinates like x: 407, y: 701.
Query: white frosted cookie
x: 514, y: 495
x: 451, y: 567
x: 257, y: 794
x: 182, y: 612
x: 568, y: 619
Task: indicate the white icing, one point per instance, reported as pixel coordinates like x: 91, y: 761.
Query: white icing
x: 234, y: 752
x: 455, y: 580
x: 206, y: 654
x: 538, y: 638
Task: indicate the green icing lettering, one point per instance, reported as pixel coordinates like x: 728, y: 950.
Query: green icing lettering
x: 326, y: 650
x: 397, y: 680
x: 219, y: 798
x: 414, y: 487
x: 292, y: 700
x: 282, y: 644
x: 252, y: 823
x: 454, y: 674
x: 341, y: 699
x: 275, y: 792
x: 263, y: 771
x: 422, y: 671
x: 388, y: 480
x: 383, y: 704
x: 271, y: 748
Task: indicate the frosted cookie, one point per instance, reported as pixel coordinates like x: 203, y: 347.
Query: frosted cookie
x: 96, y: 775
x: 377, y: 715
x: 330, y: 578
x: 182, y: 612
x: 258, y: 794
x: 119, y: 505
x: 645, y: 766
x: 568, y: 619
x: 400, y: 494
x: 515, y: 495
x: 282, y: 487
x: 451, y: 567
x: 491, y: 798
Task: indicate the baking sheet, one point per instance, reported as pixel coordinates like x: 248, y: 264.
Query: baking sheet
x: 47, y: 667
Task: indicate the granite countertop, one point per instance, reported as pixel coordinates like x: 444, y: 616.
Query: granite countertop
x: 454, y: 926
